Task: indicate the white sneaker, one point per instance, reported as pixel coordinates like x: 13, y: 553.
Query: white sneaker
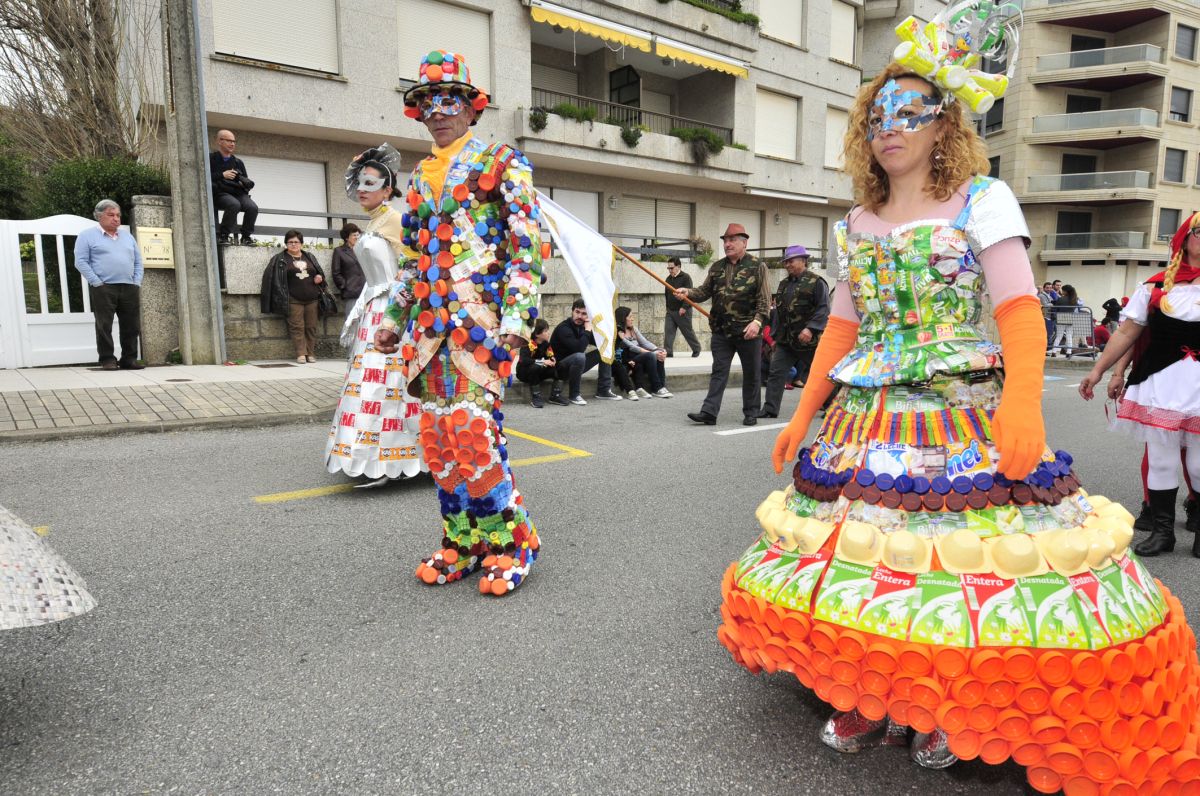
x: 578, y: 400
x: 642, y: 392
x: 632, y: 395
x: 664, y: 393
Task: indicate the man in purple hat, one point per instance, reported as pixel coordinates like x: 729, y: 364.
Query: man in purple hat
x: 801, y: 311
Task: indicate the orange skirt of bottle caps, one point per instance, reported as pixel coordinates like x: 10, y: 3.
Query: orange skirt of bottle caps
x: 1117, y: 721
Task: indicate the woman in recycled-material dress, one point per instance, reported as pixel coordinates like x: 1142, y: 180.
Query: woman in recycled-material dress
x: 933, y: 564
x: 374, y: 431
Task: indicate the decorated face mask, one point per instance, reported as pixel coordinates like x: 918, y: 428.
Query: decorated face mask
x: 905, y: 111
x: 447, y: 104
x: 370, y: 182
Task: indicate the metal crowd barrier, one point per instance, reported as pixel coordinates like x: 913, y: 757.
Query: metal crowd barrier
x: 1070, y: 332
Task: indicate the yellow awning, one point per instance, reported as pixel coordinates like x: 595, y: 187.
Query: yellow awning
x: 697, y: 59
x: 592, y: 26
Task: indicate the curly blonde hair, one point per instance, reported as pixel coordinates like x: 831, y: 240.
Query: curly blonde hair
x: 963, y: 154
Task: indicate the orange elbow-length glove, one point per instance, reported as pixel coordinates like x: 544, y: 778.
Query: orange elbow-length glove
x: 1017, y: 426
x: 836, y: 341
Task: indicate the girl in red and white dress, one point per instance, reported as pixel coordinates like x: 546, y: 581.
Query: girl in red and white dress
x: 1161, y: 404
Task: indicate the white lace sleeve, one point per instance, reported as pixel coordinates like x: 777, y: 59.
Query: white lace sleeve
x: 995, y: 216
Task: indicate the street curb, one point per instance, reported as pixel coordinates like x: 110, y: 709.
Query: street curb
x: 164, y: 426
x: 517, y: 392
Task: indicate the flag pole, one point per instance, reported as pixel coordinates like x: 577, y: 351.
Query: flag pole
x: 656, y: 277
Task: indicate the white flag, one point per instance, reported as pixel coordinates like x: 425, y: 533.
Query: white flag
x: 591, y: 258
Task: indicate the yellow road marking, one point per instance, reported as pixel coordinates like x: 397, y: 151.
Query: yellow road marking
x: 565, y: 448
x: 300, y: 494
x: 41, y: 530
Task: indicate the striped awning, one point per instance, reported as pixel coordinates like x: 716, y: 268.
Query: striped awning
x: 551, y: 14
x: 696, y: 56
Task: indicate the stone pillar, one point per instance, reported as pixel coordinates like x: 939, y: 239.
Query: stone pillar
x: 160, y: 307
x: 201, y: 332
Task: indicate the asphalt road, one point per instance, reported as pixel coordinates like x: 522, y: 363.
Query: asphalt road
x: 242, y: 647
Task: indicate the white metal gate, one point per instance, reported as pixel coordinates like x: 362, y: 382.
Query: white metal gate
x: 45, y: 311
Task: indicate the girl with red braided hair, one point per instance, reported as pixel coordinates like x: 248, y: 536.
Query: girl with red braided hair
x: 1161, y: 402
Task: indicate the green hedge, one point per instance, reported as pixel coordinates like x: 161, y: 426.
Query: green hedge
x: 15, y: 183
x: 75, y: 186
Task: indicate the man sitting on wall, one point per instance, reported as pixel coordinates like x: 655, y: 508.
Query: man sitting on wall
x: 231, y: 188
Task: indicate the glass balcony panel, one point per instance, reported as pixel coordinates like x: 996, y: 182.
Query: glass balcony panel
x: 1096, y: 240
x: 1108, y: 55
x: 1091, y: 120
x: 1094, y: 181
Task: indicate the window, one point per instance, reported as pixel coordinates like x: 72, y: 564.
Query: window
x: 1168, y: 222
x: 1085, y: 49
x: 549, y: 78
x: 993, y: 120
x: 1079, y: 164
x: 994, y: 166
x: 1185, y: 42
x: 836, y: 120
x: 642, y: 218
x: 1073, y: 230
x: 750, y: 219
x: 625, y: 87
x: 809, y: 231
x: 472, y: 38
x: 782, y: 19
x: 293, y: 185
x: 1174, y: 164
x: 776, y: 120
x: 1082, y: 103
x: 843, y: 33
x: 310, y: 41
x: 1181, y: 104
x: 584, y: 205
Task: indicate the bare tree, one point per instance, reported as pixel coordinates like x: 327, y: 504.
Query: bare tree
x: 79, y: 78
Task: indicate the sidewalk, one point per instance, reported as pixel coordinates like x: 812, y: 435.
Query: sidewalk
x: 58, y: 402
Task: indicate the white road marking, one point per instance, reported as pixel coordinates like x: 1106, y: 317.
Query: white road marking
x: 749, y: 429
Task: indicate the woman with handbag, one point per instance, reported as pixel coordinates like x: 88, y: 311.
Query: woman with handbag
x: 293, y: 284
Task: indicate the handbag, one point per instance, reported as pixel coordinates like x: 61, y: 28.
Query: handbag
x: 326, y: 306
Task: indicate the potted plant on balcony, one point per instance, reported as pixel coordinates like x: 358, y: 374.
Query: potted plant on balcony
x: 538, y: 119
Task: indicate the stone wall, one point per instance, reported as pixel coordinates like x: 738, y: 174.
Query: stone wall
x: 251, y: 335
x: 160, y: 305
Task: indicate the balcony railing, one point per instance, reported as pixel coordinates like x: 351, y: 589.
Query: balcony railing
x: 1096, y: 240
x: 614, y: 113
x: 1103, y: 57
x: 1092, y: 181
x: 1091, y: 120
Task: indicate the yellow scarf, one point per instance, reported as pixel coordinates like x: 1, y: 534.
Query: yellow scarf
x: 435, y: 167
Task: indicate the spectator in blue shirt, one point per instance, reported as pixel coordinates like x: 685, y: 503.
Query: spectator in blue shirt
x: 109, y: 259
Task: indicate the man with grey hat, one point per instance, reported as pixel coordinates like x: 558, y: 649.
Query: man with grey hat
x: 802, y: 310
x: 741, y: 301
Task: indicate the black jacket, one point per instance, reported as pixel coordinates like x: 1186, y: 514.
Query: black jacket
x: 348, y: 275
x: 567, y: 339
x: 242, y: 184
x: 274, y: 296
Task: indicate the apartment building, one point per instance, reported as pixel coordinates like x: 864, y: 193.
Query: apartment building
x: 1098, y: 137
x: 308, y: 83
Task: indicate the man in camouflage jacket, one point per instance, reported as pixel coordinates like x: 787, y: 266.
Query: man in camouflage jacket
x: 741, y: 301
x: 472, y: 220
x: 801, y: 312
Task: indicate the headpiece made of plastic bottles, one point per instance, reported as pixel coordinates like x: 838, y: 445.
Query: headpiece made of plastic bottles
x: 384, y: 157
x: 948, y: 51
